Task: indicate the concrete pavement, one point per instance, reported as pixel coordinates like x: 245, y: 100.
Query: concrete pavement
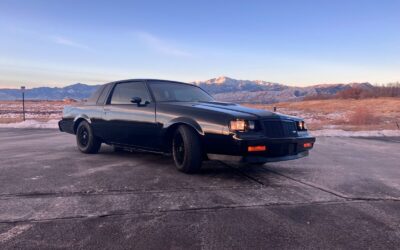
x: 346, y: 194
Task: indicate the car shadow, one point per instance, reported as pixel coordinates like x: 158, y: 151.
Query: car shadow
x: 243, y: 173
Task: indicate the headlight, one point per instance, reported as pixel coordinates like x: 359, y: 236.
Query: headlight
x: 301, y: 126
x: 238, y: 125
x: 242, y: 125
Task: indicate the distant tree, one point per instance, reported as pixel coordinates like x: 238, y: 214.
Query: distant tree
x: 388, y: 90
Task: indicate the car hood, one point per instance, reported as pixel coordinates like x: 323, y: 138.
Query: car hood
x: 235, y: 110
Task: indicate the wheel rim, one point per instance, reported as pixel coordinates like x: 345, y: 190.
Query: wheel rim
x: 83, y: 137
x: 179, y: 149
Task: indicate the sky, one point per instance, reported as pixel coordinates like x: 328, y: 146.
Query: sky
x: 295, y: 42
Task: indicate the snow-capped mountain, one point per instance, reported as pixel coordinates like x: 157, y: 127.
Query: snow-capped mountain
x: 222, y: 88
x: 257, y: 91
x: 225, y: 84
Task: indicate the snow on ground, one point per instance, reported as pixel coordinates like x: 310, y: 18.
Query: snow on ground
x: 343, y: 133
x: 31, y: 124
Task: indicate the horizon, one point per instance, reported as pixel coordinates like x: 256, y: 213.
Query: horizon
x: 27, y: 87
x: 58, y: 43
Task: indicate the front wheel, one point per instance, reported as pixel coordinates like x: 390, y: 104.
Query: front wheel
x: 87, y: 142
x: 186, y: 150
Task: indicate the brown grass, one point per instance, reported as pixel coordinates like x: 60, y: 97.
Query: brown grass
x: 347, y: 114
x: 11, y: 111
x: 363, y: 116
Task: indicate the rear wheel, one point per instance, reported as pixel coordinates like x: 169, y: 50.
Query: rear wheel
x: 85, y: 139
x: 186, y: 150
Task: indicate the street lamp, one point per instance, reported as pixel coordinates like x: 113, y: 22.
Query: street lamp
x: 23, y: 101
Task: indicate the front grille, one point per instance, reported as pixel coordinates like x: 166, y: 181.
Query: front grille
x: 280, y: 129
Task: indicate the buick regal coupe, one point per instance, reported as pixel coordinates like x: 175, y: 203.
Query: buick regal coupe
x: 184, y: 121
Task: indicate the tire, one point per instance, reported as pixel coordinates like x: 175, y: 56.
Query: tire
x: 258, y: 163
x: 118, y: 149
x: 186, y: 150
x: 87, y: 142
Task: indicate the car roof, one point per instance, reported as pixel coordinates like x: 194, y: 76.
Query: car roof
x: 149, y: 79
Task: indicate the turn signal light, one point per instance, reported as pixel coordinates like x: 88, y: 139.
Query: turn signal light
x: 307, y: 145
x: 256, y: 148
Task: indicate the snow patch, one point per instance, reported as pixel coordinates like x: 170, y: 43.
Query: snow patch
x: 343, y: 133
x: 31, y: 124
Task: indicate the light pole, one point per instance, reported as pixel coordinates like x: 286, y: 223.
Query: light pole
x: 23, y: 101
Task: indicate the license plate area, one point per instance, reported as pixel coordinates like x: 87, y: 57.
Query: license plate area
x: 277, y: 150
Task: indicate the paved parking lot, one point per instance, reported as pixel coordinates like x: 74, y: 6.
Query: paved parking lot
x: 345, y: 195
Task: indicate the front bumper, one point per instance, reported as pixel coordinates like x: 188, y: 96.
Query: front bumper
x: 255, y: 159
x: 280, y: 149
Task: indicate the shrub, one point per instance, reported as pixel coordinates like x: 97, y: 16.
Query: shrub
x: 363, y: 116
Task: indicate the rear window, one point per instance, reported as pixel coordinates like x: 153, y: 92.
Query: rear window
x: 93, y: 98
x: 104, y: 94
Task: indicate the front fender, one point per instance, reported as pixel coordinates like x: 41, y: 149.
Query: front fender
x: 187, y: 121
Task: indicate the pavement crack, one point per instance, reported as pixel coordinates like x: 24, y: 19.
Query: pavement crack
x: 238, y: 171
x: 332, y: 192
x: 309, y: 184
x: 84, y: 193
x: 178, y: 210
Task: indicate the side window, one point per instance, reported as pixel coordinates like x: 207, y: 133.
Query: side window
x: 124, y: 92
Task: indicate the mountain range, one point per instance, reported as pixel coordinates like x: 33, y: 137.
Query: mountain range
x: 76, y: 91
x: 232, y: 90
x: 222, y: 88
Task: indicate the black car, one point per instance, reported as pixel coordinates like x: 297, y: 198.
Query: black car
x: 184, y: 120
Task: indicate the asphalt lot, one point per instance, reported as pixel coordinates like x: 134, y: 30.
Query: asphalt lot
x: 346, y: 194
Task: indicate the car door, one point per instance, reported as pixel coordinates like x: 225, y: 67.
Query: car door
x: 98, y: 123
x: 128, y: 122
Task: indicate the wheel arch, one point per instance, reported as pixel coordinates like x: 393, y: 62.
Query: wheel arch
x: 173, y: 125
x: 79, y: 119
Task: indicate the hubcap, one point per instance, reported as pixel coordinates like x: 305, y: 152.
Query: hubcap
x: 179, y: 149
x: 83, y: 136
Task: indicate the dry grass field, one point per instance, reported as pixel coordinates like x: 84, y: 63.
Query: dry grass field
x: 346, y: 114
x: 11, y: 111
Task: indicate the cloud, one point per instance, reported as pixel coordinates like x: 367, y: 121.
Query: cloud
x: 161, y: 45
x: 61, y: 40
x: 70, y: 43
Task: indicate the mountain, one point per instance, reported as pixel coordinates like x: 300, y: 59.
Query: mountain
x: 225, y: 84
x: 76, y: 91
x: 257, y: 91
x: 222, y: 88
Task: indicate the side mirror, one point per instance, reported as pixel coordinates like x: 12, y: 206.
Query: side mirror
x: 136, y: 100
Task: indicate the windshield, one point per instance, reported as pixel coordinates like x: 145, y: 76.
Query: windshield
x: 177, y: 92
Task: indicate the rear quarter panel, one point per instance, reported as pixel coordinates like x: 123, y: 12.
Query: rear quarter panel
x: 91, y: 113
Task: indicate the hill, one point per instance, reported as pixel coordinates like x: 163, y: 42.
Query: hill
x: 76, y: 91
x: 242, y: 91
x: 222, y: 88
